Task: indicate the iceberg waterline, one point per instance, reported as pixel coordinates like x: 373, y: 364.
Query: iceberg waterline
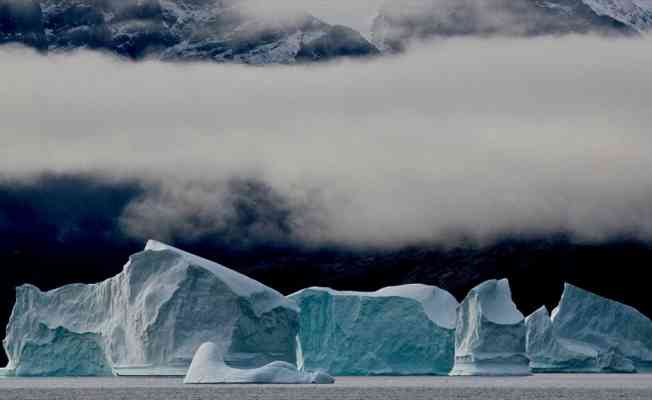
x: 169, y: 310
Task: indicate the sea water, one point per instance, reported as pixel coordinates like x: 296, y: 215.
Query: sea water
x: 536, y: 387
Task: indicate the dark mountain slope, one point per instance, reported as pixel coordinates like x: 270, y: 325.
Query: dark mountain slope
x: 177, y: 30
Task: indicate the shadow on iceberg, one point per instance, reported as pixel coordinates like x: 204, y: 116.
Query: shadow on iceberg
x: 208, y: 366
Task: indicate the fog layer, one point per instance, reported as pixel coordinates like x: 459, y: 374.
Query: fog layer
x: 464, y: 138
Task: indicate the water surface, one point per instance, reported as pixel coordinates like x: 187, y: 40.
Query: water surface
x: 536, y: 387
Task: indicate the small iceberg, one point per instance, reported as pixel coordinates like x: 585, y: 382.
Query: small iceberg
x: 208, y: 366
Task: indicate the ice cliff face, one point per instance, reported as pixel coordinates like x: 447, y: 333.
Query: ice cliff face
x: 215, y: 30
x: 401, y: 21
x: 60, y: 352
x: 490, y: 333
x: 549, y: 353
x: 401, y: 330
x: 610, y: 328
x: 208, y: 366
x: 151, y: 317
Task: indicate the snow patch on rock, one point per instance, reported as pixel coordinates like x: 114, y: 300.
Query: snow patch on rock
x: 634, y: 13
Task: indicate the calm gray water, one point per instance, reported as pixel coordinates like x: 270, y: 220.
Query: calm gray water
x: 537, y: 387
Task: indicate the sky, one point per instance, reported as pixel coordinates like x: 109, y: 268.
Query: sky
x: 460, y: 138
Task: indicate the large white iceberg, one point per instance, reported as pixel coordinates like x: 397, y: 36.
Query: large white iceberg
x: 549, y: 353
x: 619, y: 334
x: 208, y: 366
x: 401, y: 330
x: 149, y: 319
x: 490, y: 333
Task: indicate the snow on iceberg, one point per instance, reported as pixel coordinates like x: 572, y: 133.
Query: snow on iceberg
x: 209, y: 366
x: 400, y: 330
x: 549, y: 353
x: 149, y: 319
x: 620, y: 334
x: 490, y: 333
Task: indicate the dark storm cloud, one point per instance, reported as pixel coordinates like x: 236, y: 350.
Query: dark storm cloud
x: 63, y: 209
x: 77, y: 211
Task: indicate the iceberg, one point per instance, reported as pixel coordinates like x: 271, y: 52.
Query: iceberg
x: 400, y: 330
x: 60, y: 352
x: 209, y: 366
x: 490, y: 333
x: 149, y: 320
x: 619, y: 334
x: 549, y: 353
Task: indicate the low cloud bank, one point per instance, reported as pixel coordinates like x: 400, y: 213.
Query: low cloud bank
x: 468, y: 138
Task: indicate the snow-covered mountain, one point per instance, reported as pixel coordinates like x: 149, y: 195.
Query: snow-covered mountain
x: 237, y: 31
x: 400, y: 21
x: 219, y: 30
x: 634, y: 13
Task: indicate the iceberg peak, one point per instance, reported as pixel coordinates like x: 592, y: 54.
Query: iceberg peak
x: 605, y: 325
x: 490, y: 333
x: 495, y: 298
x: 150, y: 319
x: 239, y: 283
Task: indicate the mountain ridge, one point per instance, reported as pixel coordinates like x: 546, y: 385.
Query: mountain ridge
x: 400, y: 22
x: 231, y: 31
x: 177, y: 30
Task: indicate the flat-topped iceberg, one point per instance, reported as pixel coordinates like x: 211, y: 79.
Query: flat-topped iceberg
x: 618, y: 336
x: 401, y: 330
x: 490, y: 333
x: 208, y: 366
x: 149, y: 319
